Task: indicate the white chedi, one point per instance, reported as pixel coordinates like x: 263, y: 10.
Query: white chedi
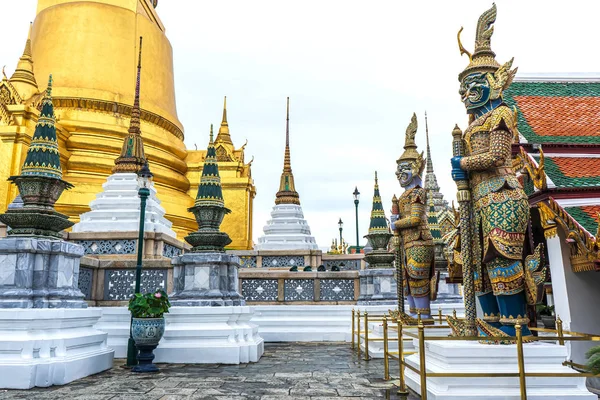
x: 286, y: 230
x: 117, y: 209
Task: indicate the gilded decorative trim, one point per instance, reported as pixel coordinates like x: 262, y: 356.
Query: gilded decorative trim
x: 585, y: 252
x: 112, y: 107
x: 534, y: 170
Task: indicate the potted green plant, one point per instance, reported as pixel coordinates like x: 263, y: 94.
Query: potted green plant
x: 593, y: 366
x: 148, y: 326
x: 547, y: 316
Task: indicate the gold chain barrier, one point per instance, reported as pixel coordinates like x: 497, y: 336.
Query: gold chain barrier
x: 561, y: 336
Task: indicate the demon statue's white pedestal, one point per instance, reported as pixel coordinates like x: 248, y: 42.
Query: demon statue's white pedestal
x: 47, y: 335
x: 473, y: 357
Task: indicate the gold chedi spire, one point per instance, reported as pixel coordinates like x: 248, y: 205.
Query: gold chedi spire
x: 287, y: 191
x: 223, y: 135
x: 132, y: 156
x: 23, y: 78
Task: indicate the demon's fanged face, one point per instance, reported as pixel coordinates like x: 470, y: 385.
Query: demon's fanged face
x: 475, y: 91
x: 404, y: 173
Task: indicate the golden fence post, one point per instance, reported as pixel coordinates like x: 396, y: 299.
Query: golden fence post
x: 352, y: 329
x: 366, y: 336
x: 559, y: 328
x: 358, y: 334
x: 386, y: 360
x: 423, y: 368
x: 521, y: 362
x: 402, y: 391
x: 440, y: 315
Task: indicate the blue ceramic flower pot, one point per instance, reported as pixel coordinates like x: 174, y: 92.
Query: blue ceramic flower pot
x: 146, y: 333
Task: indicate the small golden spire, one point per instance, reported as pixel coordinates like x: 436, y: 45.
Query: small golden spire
x: 287, y: 191
x: 23, y: 77
x: 223, y: 135
x: 132, y: 156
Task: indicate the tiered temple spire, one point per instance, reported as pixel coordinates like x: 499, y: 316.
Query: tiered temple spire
x: 378, y: 222
x: 431, y: 184
x: 43, y: 157
x: 287, y: 191
x: 210, y: 192
x: 223, y: 135
x: 287, y: 229
x: 132, y: 156
x: 24, y: 71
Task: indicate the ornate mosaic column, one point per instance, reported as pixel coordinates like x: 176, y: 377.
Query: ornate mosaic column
x: 377, y: 283
x: 207, y: 276
x: 37, y: 268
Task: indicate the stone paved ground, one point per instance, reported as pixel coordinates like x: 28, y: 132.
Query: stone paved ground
x: 298, y: 371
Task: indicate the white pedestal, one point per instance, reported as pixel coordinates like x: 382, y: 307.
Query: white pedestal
x: 473, y: 357
x: 286, y: 230
x: 117, y: 209
x: 376, y: 329
x: 195, y: 335
x: 308, y: 323
x: 224, y: 335
x: 45, y: 347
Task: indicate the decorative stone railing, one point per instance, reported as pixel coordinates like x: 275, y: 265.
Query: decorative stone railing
x: 298, y: 258
x: 269, y: 286
x: 107, y: 271
x: 106, y: 282
x: 119, y: 244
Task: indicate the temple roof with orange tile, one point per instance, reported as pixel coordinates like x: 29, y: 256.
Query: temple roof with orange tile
x: 557, y: 112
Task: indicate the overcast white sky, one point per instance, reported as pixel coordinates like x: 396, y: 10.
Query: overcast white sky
x: 355, y: 71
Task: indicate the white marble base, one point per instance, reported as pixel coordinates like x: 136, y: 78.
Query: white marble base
x: 195, y: 335
x: 286, y: 230
x: 45, y: 347
x: 376, y: 331
x: 471, y: 357
x: 117, y: 209
x: 308, y: 323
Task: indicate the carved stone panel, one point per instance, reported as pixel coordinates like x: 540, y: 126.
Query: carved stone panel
x: 248, y: 261
x: 337, y: 289
x: 119, y: 284
x: 170, y: 251
x: 299, y: 290
x: 108, y: 246
x: 282, y: 261
x: 344, y: 265
x: 85, y: 282
x: 259, y: 289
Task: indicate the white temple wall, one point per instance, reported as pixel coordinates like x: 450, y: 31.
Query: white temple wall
x: 576, y: 296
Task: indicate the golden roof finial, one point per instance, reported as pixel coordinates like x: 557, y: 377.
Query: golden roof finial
x: 287, y: 191
x: 132, y: 156
x: 410, y: 148
x: 223, y: 135
x: 483, y: 58
x: 24, y: 71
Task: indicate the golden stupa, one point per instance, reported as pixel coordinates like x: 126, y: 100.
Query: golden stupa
x: 91, y: 48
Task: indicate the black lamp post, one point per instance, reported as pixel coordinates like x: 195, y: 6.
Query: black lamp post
x: 144, y: 179
x: 341, y: 225
x: 356, y: 198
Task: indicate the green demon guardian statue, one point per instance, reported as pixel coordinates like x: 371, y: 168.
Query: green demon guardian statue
x: 504, y: 282
x: 409, y: 217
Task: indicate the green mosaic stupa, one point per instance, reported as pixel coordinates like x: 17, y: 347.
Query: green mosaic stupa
x: 379, y: 231
x: 43, y: 158
x: 209, y: 207
x: 379, y: 234
x: 40, y: 182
